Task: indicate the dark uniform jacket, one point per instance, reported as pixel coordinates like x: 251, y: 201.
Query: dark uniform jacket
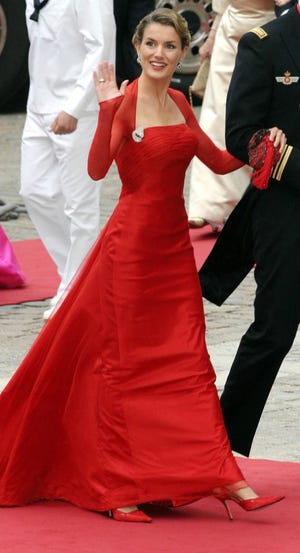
x: 264, y: 92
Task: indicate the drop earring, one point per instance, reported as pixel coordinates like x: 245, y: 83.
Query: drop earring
x: 139, y: 59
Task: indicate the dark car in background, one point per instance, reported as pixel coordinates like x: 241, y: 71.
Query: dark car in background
x: 14, y: 48
x: 13, y: 55
x: 199, y: 16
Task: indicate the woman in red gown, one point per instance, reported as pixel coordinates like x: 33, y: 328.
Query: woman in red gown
x: 115, y: 404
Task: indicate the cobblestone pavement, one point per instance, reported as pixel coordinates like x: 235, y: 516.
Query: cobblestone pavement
x: 278, y: 436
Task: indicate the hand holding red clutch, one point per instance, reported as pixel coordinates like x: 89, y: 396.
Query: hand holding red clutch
x: 264, y: 149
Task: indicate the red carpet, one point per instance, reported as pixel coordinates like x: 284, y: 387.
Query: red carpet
x: 58, y: 527
x: 203, y: 241
x: 41, y: 277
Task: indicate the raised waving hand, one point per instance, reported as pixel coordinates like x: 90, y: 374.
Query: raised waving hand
x: 105, y: 83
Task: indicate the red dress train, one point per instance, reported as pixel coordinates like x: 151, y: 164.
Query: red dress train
x: 115, y: 404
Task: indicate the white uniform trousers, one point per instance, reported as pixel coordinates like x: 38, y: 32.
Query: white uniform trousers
x: 61, y: 199
x: 213, y: 197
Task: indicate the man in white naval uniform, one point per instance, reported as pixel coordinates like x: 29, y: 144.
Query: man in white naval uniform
x: 68, y: 39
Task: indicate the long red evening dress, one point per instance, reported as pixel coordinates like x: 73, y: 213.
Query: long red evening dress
x: 115, y: 404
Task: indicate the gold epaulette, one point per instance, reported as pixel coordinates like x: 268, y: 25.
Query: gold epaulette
x: 260, y: 32
x: 281, y: 163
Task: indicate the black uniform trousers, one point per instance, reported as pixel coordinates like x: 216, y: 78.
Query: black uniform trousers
x: 264, y: 231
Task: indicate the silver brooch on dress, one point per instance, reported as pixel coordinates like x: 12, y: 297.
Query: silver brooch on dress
x: 138, y: 134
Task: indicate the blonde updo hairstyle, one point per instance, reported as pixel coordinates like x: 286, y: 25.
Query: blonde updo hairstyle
x: 163, y: 16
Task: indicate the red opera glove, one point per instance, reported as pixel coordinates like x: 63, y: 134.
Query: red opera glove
x: 262, y: 158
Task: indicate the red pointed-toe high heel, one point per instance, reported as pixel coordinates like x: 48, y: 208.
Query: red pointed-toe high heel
x: 229, y: 493
x: 131, y: 516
